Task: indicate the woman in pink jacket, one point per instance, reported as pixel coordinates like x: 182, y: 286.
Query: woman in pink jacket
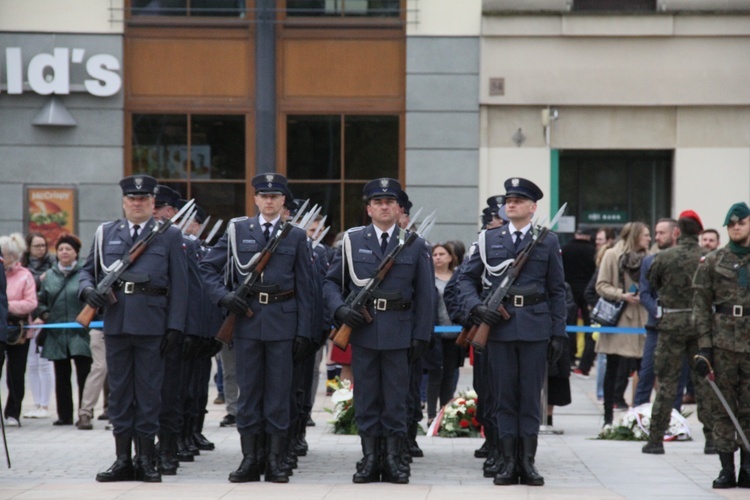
x: 21, y: 291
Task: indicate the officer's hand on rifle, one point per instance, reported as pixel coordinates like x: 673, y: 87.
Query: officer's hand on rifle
x: 211, y: 348
x: 301, y: 349
x: 703, y: 361
x: 349, y: 316
x: 170, y: 341
x: 93, y: 298
x: 486, y: 315
x: 234, y: 304
x: 556, y: 348
x: 417, y: 350
x: 191, y: 346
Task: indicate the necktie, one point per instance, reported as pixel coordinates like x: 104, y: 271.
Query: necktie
x: 383, y: 242
x: 519, y: 237
x: 267, y: 230
x: 136, y: 228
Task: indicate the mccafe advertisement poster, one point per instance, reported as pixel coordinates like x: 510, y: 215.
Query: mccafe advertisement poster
x: 50, y: 211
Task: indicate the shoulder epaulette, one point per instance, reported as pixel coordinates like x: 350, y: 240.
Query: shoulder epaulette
x: 238, y: 219
x: 353, y: 229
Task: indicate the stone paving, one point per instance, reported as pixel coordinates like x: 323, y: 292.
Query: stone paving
x: 60, y: 462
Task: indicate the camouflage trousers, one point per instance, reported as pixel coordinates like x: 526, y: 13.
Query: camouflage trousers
x: 732, y: 371
x: 671, y: 349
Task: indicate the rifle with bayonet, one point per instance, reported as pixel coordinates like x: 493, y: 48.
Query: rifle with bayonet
x: 226, y: 331
x: 477, y: 335
x: 361, y: 299
x: 87, y: 314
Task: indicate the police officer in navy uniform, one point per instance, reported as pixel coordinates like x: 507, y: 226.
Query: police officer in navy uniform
x: 141, y: 327
x: 518, y: 348
x: 382, y: 350
x: 266, y: 343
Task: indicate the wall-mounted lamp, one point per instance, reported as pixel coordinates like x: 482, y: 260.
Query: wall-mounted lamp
x: 54, y: 114
x: 518, y: 138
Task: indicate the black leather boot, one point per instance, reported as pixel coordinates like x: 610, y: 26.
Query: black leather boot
x: 183, y: 454
x: 494, y: 463
x: 726, y: 477
x: 368, y: 470
x: 187, y: 436
x: 248, y: 471
x: 528, y: 473
x: 300, y: 443
x: 276, y: 449
x: 509, y: 473
x: 484, y: 450
x: 167, y: 460
x: 414, y: 449
x: 391, y: 472
x: 122, y: 469
x: 261, y: 451
x: 144, y: 461
x: 743, y: 479
x: 198, y: 438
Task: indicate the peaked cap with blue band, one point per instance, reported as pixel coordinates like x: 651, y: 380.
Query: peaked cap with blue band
x: 138, y: 185
x: 165, y: 195
x: 382, y: 188
x: 270, y: 183
x: 522, y: 188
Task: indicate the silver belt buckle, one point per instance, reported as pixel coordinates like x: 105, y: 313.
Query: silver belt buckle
x: 738, y: 311
x: 263, y: 298
x: 128, y: 288
x: 380, y: 304
x: 518, y: 300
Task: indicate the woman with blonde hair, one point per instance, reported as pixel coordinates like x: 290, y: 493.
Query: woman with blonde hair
x: 22, y: 300
x: 619, y: 272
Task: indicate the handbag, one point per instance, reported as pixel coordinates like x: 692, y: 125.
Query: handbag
x: 607, y: 312
x: 15, y: 331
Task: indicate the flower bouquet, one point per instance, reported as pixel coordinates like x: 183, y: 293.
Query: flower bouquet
x: 634, y: 426
x: 343, y: 410
x: 457, y: 418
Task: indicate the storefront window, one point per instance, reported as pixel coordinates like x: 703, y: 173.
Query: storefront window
x: 201, y: 156
x: 338, y: 8
x: 191, y: 8
x: 318, y: 170
x: 610, y: 188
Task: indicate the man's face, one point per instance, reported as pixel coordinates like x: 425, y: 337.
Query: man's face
x: 519, y: 209
x: 601, y: 239
x: 138, y: 208
x: 164, y: 212
x: 312, y: 228
x: 403, y: 219
x: 709, y: 241
x: 664, y: 235
x: 739, y: 232
x: 384, y: 212
x: 269, y: 204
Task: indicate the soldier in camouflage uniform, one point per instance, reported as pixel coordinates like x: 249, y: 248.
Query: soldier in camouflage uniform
x: 722, y: 283
x: 671, y: 276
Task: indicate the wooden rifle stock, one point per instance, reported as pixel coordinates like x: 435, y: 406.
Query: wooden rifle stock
x: 340, y: 336
x: 463, y: 338
x: 482, y: 332
x: 226, y: 331
x: 86, y: 316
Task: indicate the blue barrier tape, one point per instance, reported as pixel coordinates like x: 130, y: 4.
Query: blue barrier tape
x: 94, y: 324
x: 569, y: 329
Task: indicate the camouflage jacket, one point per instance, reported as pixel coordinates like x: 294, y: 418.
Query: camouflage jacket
x: 716, y: 283
x: 671, y: 276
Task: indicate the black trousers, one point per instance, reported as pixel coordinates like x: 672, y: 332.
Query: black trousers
x: 63, y: 387
x: 15, y: 376
x: 441, y: 379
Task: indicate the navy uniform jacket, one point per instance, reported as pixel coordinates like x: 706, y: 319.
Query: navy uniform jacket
x: 163, y: 264
x: 195, y: 323
x: 411, y: 275
x: 543, y: 272
x: 290, y: 267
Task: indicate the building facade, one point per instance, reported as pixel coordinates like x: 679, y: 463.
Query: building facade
x: 625, y: 109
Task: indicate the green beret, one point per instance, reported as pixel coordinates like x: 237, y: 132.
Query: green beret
x: 737, y: 212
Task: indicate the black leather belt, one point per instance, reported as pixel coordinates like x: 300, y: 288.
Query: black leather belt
x: 736, y: 311
x: 130, y: 288
x: 271, y: 298
x: 389, y: 305
x: 527, y: 300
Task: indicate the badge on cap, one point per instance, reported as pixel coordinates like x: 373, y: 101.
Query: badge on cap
x: 515, y: 182
x: 269, y: 179
x: 384, y: 183
x: 138, y: 182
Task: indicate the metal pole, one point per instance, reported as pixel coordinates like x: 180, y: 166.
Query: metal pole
x: 544, y: 428
x: 265, y: 87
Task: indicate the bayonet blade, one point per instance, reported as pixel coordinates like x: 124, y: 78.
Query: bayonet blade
x: 558, y: 215
x: 320, y: 227
x: 413, y: 219
x: 213, y: 232
x: 320, y: 237
x: 203, y: 227
x: 182, y: 211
